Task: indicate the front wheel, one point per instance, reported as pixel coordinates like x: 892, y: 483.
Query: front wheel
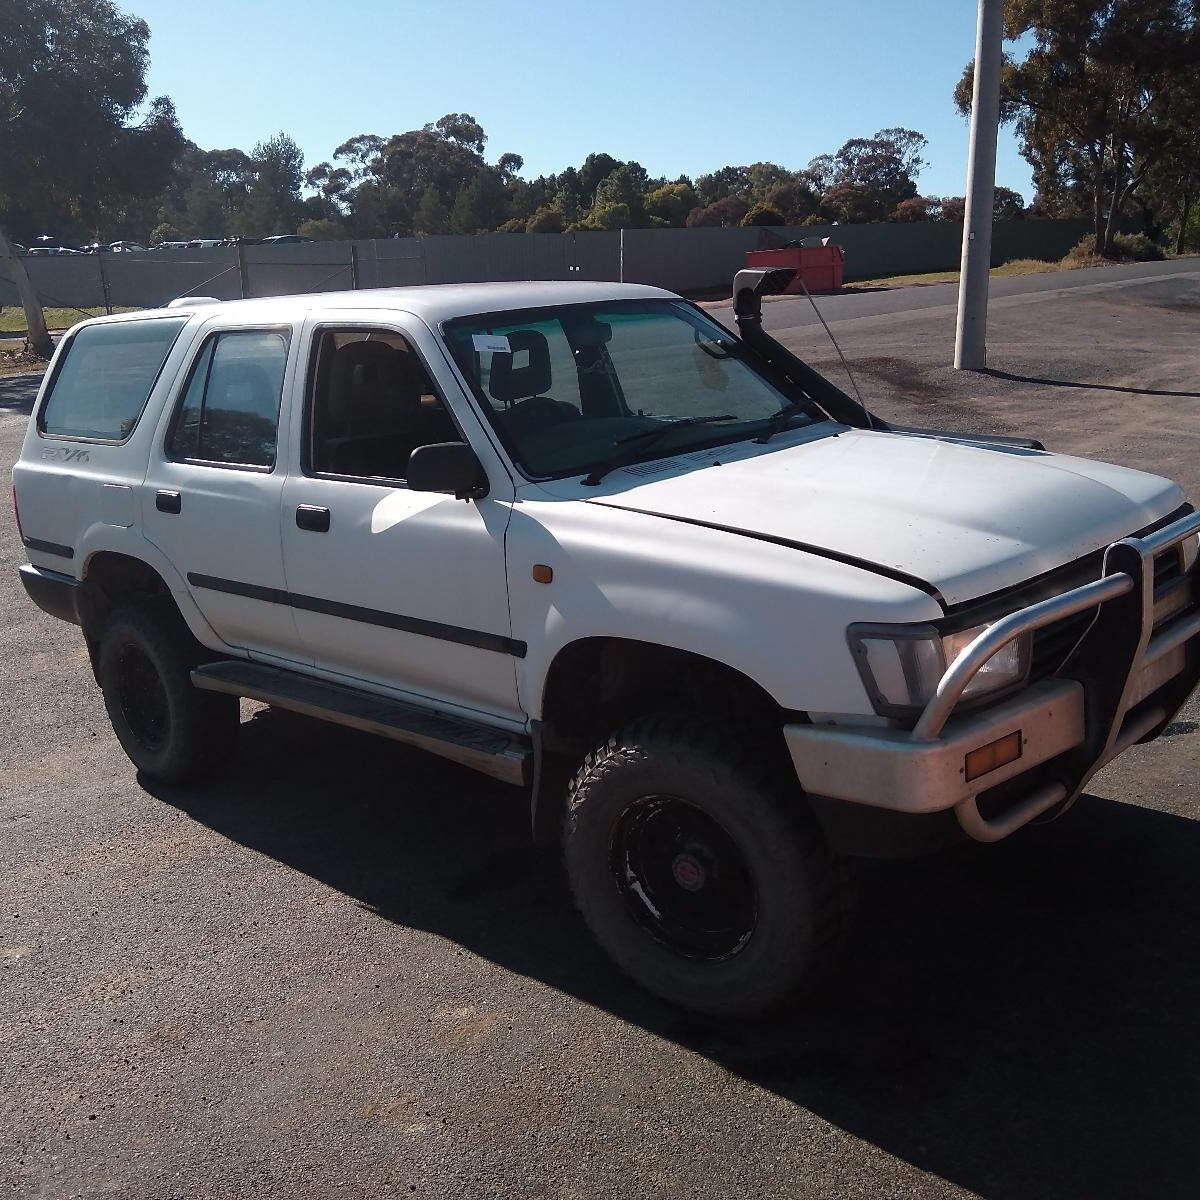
x: 699, y: 872
x: 171, y: 731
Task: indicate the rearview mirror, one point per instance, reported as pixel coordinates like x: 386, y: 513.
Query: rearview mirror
x: 447, y: 467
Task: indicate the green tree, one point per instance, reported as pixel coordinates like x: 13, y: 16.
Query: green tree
x: 670, y: 203
x: 1106, y: 92
x: 868, y: 177
x: 545, y: 220
x: 762, y: 214
x: 72, y: 79
x: 273, y: 202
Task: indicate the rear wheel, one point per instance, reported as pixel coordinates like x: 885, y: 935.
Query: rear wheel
x: 171, y: 731
x: 700, y: 871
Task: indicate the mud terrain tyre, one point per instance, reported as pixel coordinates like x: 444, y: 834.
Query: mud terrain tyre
x: 171, y: 731
x: 699, y: 869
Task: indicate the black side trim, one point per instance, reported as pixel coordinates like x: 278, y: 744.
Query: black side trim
x: 368, y: 616
x: 49, y: 547
x: 820, y: 551
x: 53, y: 593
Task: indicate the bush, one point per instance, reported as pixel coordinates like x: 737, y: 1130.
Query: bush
x: 1127, y: 247
x: 1137, y: 246
x: 762, y: 214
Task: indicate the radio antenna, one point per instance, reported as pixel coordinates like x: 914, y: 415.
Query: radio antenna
x: 845, y: 364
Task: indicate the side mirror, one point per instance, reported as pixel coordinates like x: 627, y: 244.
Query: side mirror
x: 447, y: 467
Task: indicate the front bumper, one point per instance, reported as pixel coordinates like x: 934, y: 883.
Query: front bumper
x: 1125, y: 680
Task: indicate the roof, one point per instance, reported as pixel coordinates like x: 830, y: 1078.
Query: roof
x: 432, y: 302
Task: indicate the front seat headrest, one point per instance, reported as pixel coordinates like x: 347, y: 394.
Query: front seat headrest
x: 509, y: 383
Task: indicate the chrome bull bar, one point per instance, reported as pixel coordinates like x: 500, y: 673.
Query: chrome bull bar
x: 1116, y: 687
x: 1128, y: 569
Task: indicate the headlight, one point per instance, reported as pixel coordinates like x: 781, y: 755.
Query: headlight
x: 901, y: 665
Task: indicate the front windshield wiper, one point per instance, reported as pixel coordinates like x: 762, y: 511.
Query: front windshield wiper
x: 644, y: 439
x: 777, y: 420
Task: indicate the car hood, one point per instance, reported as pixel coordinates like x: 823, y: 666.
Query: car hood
x: 967, y: 518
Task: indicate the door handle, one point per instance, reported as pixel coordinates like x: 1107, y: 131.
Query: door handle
x: 312, y: 517
x: 168, y: 502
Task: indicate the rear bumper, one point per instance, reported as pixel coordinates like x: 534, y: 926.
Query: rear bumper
x: 58, y: 595
x: 1126, y: 680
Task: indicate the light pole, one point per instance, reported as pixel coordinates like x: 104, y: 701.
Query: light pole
x: 970, y: 340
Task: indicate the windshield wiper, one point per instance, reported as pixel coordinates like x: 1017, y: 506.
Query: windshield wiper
x: 777, y: 420
x: 644, y: 439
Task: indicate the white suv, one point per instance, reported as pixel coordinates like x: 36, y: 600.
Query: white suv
x: 729, y: 627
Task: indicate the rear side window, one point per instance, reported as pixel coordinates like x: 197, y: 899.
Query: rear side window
x: 102, y: 384
x: 230, y: 410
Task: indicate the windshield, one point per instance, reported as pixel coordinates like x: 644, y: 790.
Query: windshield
x: 570, y: 389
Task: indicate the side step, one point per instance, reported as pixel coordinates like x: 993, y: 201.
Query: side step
x: 502, y: 756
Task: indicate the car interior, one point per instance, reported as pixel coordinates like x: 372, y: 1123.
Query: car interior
x: 373, y: 405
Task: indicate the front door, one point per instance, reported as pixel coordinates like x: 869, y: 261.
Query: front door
x: 396, y: 589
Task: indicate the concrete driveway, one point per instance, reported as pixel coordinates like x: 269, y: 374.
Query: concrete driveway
x: 340, y: 971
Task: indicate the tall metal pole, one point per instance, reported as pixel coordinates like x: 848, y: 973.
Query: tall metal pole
x: 970, y: 340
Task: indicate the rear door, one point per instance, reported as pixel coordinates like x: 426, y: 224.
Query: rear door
x: 211, y: 500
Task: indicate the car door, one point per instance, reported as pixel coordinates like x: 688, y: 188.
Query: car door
x: 211, y: 499
x: 399, y: 590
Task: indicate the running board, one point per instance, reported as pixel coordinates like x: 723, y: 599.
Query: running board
x: 490, y: 751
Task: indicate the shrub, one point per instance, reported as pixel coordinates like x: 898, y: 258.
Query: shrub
x: 762, y: 214
x: 1127, y: 247
x: 1137, y: 246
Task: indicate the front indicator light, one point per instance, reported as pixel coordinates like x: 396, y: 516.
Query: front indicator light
x: 995, y: 754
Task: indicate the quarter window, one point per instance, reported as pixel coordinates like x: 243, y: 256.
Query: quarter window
x: 230, y: 410
x: 105, y: 377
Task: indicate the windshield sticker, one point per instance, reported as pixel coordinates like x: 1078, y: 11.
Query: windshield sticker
x: 493, y: 343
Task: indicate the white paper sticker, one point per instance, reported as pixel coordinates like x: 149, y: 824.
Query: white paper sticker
x: 495, y: 343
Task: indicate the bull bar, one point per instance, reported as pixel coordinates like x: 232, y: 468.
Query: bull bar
x: 1122, y: 684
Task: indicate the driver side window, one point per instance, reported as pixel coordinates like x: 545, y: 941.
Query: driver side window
x: 371, y: 404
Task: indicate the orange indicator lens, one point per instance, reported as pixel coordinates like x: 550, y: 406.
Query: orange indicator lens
x: 995, y: 754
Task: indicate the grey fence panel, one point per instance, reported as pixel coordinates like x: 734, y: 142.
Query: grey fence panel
x: 61, y: 281
x: 391, y: 262
x: 303, y: 267
x: 692, y: 261
x: 686, y: 260
x: 595, y: 256
x: 153, y: 279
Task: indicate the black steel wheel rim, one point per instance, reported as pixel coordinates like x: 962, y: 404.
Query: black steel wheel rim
x: 683, y: 878
x: 142, y: 698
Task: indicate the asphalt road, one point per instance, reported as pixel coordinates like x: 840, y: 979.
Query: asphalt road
x: 784, y: 313
x: 341, y: 972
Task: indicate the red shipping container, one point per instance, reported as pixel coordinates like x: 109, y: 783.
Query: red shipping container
x: 820, y: 267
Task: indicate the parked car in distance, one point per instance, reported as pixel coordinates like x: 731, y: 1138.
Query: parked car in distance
x: 285, y: 239
x: 204, y: 243
x: 50, y: 251
x: 730, y: 628
x: 126, y: 247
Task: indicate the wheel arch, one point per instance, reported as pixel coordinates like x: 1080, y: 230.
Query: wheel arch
x: 595, y: 684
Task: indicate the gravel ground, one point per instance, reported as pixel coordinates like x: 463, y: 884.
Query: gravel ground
x: 341, y: 972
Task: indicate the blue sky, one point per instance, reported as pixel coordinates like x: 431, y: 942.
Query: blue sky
x: 682, y: 86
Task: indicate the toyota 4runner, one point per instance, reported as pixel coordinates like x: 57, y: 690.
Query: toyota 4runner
x: 727, y: 625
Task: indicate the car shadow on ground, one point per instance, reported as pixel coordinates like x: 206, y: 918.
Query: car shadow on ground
x: 18, y: 392
x: 1019, y: 1019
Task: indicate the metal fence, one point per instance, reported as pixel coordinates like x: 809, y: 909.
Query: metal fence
x: 690, y: 261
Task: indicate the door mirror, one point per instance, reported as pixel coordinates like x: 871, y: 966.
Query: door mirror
x: 447, y: 467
